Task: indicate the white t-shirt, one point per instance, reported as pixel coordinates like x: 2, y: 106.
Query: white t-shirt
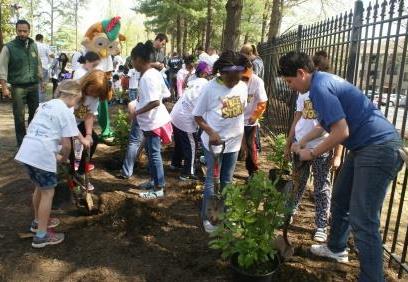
x: 152, y: 88
x: 134, y: 77
x: 118, y: 60
x: 213, y: 59
x: 308, y: 120
x: 106, y: 64
x: 223, y: 109
x: 256, y: 94
x: 52, y: 121
x: 182, y: 113
x: 80, y: 72
x: 44, y: 53
x: 204, y: 57
x: 74, y: 61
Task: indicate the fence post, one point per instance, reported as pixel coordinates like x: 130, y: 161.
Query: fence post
x: 299, y: 38
x: 355, y: 37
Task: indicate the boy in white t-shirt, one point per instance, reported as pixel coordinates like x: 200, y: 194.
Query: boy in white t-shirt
x: 255, y: 108
x: 152, y: 116
x: 184, y: 125
x: 220, y: 114
x: 304, y: 121
x: 52, y: 125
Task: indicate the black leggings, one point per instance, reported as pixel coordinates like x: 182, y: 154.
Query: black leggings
x: 81, y: 169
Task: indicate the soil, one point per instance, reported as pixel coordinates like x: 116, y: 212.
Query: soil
x: 131, y: 239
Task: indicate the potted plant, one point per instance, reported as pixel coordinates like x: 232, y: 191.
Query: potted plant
x: 282, y: 169
x: 254, y: 211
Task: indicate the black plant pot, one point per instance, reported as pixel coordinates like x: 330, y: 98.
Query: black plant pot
x: 276, y: 173
x: 240, y: 275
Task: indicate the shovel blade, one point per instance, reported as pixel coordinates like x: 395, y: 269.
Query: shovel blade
x: 89, y: 201
x: 285, y: 250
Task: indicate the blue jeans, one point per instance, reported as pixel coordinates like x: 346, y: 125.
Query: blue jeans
x: 135, y: 140
x: 358, y: 195
x: 153, y: 145
x: 42, y: 95
x: 227, y: 164
x: 132, y: 94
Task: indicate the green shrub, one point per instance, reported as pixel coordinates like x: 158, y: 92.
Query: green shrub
x: 278, y: 153
x: 121, y: 128
x: 254, y: 211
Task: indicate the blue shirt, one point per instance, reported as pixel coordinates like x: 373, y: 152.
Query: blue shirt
x: 334, y: 98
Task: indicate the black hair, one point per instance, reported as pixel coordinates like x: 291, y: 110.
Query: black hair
x: 161, y: 37
x: 143, y: 51
x: 39, y: 37
x: 245, y: 61
x: 121, y: 68
x: 292, y: 61
x: 115, y: 76
x: 90, y: 57
x: 227, y: 58
x: 23, y: 22
x: 321, y: 61
x: 125, y: 70
x: 200, y: 48
x: 188, y: 59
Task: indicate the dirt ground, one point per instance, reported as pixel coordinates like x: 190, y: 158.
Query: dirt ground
x: 131, y: 239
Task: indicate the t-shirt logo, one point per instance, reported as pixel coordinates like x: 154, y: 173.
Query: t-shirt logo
x: 232, y: 107
x: 308, y: 111
x: 81, y: 111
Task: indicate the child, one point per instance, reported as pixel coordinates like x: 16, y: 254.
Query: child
x: 304, y: 121
x: 184, y: 125
x: 88, y: 62
x: 117, y: 87
x: 53, y: 124
x: 372, y: 161
x: 256, y: 106
x: 134, y: 77
x: 152, y: 115
x: 185, y: 74
x: 220, y: 114
x: 95, y: 87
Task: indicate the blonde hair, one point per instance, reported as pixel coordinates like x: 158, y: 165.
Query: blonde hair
x: 96, y: 81
x: 247, y: 49
x: 68, y: 88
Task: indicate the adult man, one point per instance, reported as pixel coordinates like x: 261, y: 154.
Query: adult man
x: 159, y: 59
x: 175, y: 64
x: 45, y: 54
x: 372, y: 162
x: 20, y: 66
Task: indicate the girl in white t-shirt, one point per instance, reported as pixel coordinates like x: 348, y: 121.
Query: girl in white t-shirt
x: 184, y: 125
x: 152, y: 115
x: 256, y: 106
x: 304, y: 121
x: 185, y: 74
x: 95, y: 88
x: 220, y: 114
x: 52, y: 125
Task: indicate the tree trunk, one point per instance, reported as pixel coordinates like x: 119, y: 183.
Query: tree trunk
x: 222, y: 35
x: 203, y: 34
x: 246, y: 38
x: 265, y: 19
x: 52, y: 22
x: 185, y: 36
x: 179, y: 32
x: 276, y: 19
x: 172, y: 43
x: 208, y: 33
x: 234, y: 10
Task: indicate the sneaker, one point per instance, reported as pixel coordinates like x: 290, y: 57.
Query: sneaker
x: 188, y: 177
x: 174, y: 168
x: 50, y: 238
x: 324, y: 251
x: 151, y: 195
x: 90, y: 186
x: 91, y: 167
x: 52, y: 223
x: 320, y: 235
x: 149, y: 185
x: 209, y: 227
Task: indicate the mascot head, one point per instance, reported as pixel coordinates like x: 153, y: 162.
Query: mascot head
x: 104, y: 37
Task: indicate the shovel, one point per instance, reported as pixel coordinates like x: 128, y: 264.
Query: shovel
x: 215, y: 206
x: 282, y: 243
x: 88, y: 195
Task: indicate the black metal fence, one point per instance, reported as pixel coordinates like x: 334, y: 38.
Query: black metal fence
x: 368, y: 47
